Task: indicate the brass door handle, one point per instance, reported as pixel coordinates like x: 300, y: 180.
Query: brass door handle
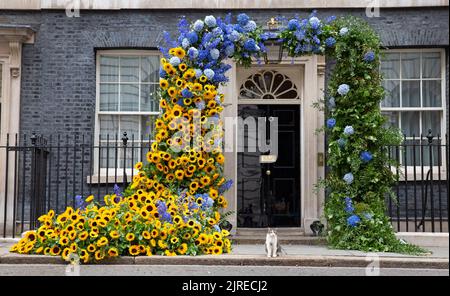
x: 268, y: 172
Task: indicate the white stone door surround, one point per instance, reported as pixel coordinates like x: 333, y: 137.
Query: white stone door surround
x: 311, y: 84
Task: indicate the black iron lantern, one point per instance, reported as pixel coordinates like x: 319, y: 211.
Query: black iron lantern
x: 273, y: 26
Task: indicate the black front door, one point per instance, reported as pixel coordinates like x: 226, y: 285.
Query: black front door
x: 269, y: 192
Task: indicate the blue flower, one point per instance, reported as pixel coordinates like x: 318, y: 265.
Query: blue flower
x: 185, y: 43
x: 331, y: 123
x: 166, y: 217
x: 349, y: 205
x: 293, y: 24
x: 209, y: 73
x: 214, y: 53
x: 366, y: 156
x: 300, y: 35
x: 162, y: 73
x: 225, y: 186
x: 234, y: 36
x: 314, y: 22
x: 342, y: 142
x: 192, y: 37
x: 250, y: 26
x: 332, y: 103
x: 79, y: 202
x: 229, y: 50
x: 175, y: 61
x: 198, y: 73
x: 348, y: 178
x: 343, y: 31
x: 353, y: 220
x: 343, y: 89
x: 210, y: 21
x: 198, y: 25
x: 200, y: 105
x: 217, y: 228
x: 186, y: 93
x: 243, y: 19
x: 369, y: 57
x: 348, y: 130
x: 368, y: 216
x: 250, y: 45
x: 330, y: 42
x: 116, y: 190
x: 193, y: 53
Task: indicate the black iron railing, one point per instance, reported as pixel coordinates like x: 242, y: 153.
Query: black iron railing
x: 41, y: 173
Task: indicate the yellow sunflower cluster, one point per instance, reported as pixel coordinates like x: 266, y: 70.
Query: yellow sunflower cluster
x: 172, y: 207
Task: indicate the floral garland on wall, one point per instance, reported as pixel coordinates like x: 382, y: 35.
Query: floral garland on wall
x: 173, y: 205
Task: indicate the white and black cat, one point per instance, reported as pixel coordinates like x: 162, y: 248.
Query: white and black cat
x: 273, y: 247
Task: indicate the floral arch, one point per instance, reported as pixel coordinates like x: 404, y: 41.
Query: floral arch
x: 174, y: 204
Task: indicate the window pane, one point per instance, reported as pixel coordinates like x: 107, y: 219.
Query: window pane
x: 109, y: 97
x: 410, y: 123
x: 109, y: 125
x: 410, y: 66
x: 129, y: 69
x: 390, y: 66
x: 149, y: 99
x: 130, y: 125
x: 392, y: 118
x: 431, y: 65
x: 129, y: 97
x: 148, y: 126
x: 431, y: 93
x: 411, y: 153
x: 392, y: 93
x: 109, y: 69
x: 150, y: 69
x: 431, y: 120
x: 108, y: 156
x: 410, y: 93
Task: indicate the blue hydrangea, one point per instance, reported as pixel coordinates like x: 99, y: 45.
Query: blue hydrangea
x: 330, y: 42
x: 348, y: 130
x: 300, y: 35
x: 349, y: 205
x: 162, y: 73
x: 348, y: 178
x: 214, y: 53
x: 331, y: 123
x: 186, y: 93
x: 210, y: 21
x: 234, y: 36
x: 209, y: 73
x: 200, y: 105
x: 343, y: 31
x: 314, y: 22
x: 293, y: 24
x: 185, y: 43
x: 243, y: 19
x: 332, y: 103
x: 229, y: 50
x: 192, y: 37
x: 353, y: 220
x: 250, y: 26
x: 198, y: 25
x: 341, y: 142
x: 174, y: 61
x: 250, y: 45
x: 369, y: 57
x: 217, y: 228
x: 366, y: 156
x: 343, y: 89
x: 198, y: 73
x: 193, y: 53
x: 368, y: 216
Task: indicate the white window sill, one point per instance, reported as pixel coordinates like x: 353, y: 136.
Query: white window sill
x: 111, y: 177
x: 410, y: 173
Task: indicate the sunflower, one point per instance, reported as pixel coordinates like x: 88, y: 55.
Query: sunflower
x: 217, y: 250
x: 93, y: 234
x: 174, y: 240
x: 193, y: 186
x: 213, y: 193
x: 182, y: 249
x: 172, y: 91
x: 91, y: 248
x: 220, y: 158
x: 113, y: 252
x: 182, y: 67
x: 64, y: 241
x: 83, y: 235
x: 138, y: 165
x: 205, y: 180
x: 39, y: 250
x: 99, y: 255
x: 146, y: 234
x: 65, y: 253
x: 177, y: 220
x: 30, y: 236
x: 134, y: 250
x: 163, y: 83
x: 55, y: 251
x: 179, y: 52
x: 102, y: 242
x: 190, y: 223
x: 203, y: 79
x: 114, y: 234
x: 187, y: 236
x: 179, y: 174
x: 130, y: 237
x: 89, y: 198
x: 202, y: 238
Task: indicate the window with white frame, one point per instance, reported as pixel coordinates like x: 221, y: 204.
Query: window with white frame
x: 414, y: 82
x: 127, y: 84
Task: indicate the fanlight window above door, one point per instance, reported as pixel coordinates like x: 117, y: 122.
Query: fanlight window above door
x: 268, y: 85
